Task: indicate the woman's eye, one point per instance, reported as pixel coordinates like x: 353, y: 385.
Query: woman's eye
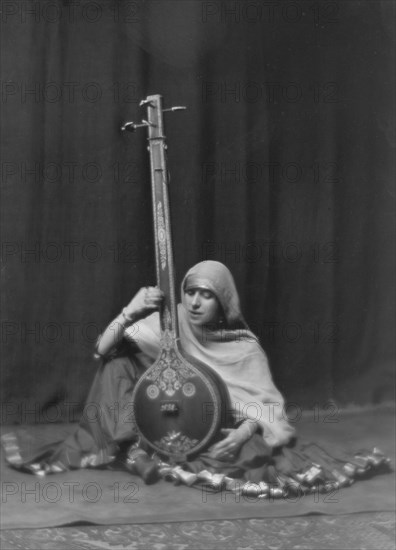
x: 207, y: 294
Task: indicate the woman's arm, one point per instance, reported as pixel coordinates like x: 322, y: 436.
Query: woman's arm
x: 235, y: 438
x: 113, y: 334
x: 145, y: 301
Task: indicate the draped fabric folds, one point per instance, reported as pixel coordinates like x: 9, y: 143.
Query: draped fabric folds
x: 280, y: 168
x: 271, y: 457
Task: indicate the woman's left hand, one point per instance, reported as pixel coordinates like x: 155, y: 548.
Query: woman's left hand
x: 228, y: 448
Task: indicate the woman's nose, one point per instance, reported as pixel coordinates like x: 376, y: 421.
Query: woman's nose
x: 196, y: 300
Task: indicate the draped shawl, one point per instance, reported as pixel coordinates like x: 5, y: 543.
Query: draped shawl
x: 233, y: 353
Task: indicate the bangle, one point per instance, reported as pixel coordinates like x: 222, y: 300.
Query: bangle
x: 126, y: 318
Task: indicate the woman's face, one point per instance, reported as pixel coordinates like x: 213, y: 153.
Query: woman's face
x: 202, y: 306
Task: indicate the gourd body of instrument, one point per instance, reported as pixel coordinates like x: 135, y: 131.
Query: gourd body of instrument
x: 180, y: 404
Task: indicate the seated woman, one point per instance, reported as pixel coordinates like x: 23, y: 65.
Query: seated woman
x: 261, y: 447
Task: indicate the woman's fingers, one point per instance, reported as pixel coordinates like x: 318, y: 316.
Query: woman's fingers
x: 146, y: 300
x: 224, y: 454
x: 224, y: 447
x: 152, y: 296
x: 229, y: 439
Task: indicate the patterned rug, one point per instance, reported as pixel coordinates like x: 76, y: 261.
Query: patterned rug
x: 353, y: 531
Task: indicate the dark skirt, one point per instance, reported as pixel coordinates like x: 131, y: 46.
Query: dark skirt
x: 105, y: 427
x: 106, y: 436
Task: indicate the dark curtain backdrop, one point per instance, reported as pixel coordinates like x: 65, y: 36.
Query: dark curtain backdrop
x: 281, y: 168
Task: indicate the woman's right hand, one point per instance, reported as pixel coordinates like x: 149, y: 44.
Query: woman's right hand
x: 145, y: 301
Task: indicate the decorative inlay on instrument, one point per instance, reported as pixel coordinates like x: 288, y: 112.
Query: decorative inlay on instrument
x: 180, y: 404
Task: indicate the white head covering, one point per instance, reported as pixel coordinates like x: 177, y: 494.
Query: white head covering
x: 216, y: 277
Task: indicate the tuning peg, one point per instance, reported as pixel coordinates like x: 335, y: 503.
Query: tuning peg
x: 132, y: 126
x: 146, y: 102
x: 178, y: 108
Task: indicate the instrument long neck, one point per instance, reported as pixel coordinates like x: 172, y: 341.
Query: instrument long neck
x: 161, y: 215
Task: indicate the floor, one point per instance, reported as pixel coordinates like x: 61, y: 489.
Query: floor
x: 166, y: 516
x: 351, y: 531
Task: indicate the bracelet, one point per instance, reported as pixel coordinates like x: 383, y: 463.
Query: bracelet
x: 126, y: 318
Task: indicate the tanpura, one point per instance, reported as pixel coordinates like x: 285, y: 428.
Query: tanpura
x: 180, y: 404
